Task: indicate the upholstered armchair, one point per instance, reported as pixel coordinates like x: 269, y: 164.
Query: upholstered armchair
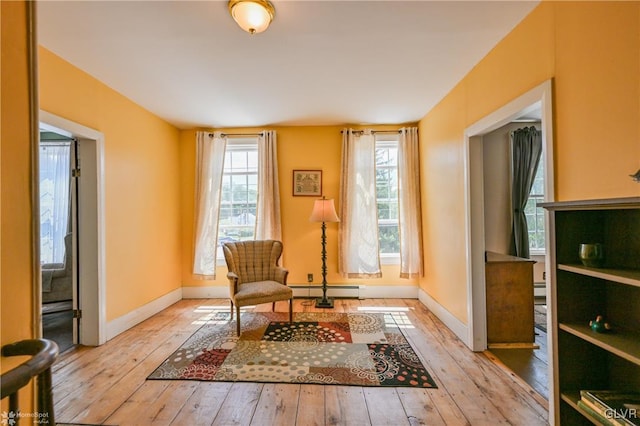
x: 57, y: 278
x: 255, y: 276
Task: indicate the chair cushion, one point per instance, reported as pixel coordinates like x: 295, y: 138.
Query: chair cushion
x: 259, y: 292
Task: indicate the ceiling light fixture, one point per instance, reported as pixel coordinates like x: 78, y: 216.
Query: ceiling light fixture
x: 253, y: 16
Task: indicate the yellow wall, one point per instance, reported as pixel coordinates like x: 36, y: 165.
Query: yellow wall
x: 142, y: 183
x: 592, y: 52
x: 597, y: 99
x: 17, y: 279
x: 298, y: 148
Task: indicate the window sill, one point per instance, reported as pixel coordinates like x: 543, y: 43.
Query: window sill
x: 389, y: 259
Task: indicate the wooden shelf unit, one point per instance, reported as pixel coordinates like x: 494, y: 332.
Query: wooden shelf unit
x: 583, y: 359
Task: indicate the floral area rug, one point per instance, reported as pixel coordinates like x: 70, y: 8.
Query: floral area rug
x: 362, y: 349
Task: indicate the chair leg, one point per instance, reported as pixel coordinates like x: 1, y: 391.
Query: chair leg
x: 273, y: 306
x: 238, y: 320
x: 291, y: 310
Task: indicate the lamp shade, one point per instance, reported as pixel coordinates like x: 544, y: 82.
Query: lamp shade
x: 253, y: 16
x: 324, y: 211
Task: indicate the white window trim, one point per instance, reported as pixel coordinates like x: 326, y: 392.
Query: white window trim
x: 386, y: 140
x: 389, y: 258
x: 236, y: 144
x: 539, y: 251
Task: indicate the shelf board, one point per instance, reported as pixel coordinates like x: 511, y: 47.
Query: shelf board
x: 625, y: 344
x: 606, y: 204
x: 623, y: 276
x: 572, y: 399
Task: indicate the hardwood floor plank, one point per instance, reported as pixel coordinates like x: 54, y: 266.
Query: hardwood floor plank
x: 448, y: 409
x: 239, y: 405
x: 278, y: 405
x: 342, y: 305
x: 502, y: 391
x: 101, y: 400
x: 345, y: 406
x: 165, y: 409
x: 311, y: 405
x: 384, y: 407
x: 203, y: 405
x: 419, y: 407
x: 441, y: 360
x: 493, y: 395
x: 97, y: 373
x: 87, y: 362
x: 135, y: 407
x: 536, y: 390
x: 69, y: 357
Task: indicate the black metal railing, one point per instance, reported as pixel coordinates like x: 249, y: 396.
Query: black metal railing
x: 43, y: 353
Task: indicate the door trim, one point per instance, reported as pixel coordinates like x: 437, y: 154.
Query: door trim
x: 538, y: 97
x: 91, y: 226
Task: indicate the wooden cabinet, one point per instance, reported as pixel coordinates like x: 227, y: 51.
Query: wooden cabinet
x: 584, y: 359
x: 509, y: 293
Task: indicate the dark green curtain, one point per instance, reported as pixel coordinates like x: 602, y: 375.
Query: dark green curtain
x: 526, y: 149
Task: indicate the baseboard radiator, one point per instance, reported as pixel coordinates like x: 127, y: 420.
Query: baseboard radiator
x: 341, y: 291
x: 539, y: 289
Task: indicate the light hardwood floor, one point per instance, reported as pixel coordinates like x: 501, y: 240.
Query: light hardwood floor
x: 106, y: 384
x: 530, y: 364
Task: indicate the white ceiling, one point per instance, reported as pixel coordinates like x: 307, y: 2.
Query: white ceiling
x: 320, y: 63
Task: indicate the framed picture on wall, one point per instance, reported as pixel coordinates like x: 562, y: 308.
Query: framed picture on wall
x: 307, y: 183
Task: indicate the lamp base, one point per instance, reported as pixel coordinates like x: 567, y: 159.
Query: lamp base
x: 324, y: 303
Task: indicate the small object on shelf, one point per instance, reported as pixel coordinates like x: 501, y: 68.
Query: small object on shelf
x: 592, y: 255
x: 619, y: 407
x: 599, y: 325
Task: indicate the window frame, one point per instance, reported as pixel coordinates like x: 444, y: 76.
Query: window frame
x: 540, y: 197
x: 388, y: 140
x: 237, y: 144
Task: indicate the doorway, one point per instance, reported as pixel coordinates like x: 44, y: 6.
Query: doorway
x: 58, y: 236
x: 524, y: 297
x: 538, y: 99
x: 89, y: 242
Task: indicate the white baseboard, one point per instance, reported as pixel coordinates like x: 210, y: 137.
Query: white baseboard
x: 388, y: 292
x: 458, y: 328
x: 208, y: 292
x: 128, y: 320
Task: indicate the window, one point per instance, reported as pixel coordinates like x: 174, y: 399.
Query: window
x: 535, y: 215
x: 387, y: 195
x: 55, y: 164
x: 239, y: 192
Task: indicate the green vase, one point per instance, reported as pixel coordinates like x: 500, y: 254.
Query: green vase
x: 592, y: 255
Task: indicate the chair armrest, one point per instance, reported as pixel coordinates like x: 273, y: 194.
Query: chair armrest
x: 281, y: 274
x: 233, y: 282
x: 57, y: 273
x: 55, y: 270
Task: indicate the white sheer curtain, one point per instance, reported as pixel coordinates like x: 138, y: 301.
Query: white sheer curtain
x: 210, y: 150
x: 55, y: 164
x: 268, y: 209
x: 409, y: 203
x: 358, y: 227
